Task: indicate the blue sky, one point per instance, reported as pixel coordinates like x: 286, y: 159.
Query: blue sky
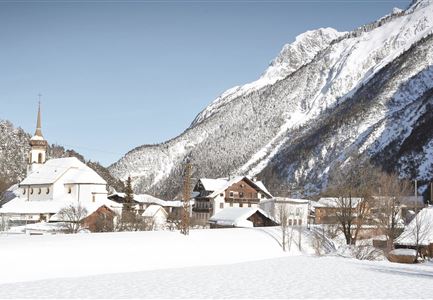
x: 118, y: 74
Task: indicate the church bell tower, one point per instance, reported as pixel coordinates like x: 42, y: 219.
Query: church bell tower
x: 38, y: 144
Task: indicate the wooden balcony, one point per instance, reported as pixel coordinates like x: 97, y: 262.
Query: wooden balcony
x: 242, y: 200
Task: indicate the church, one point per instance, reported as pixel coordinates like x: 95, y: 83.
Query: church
x: 51, y: 185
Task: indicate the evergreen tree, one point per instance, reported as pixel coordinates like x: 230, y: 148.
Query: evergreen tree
x: 128, y: 213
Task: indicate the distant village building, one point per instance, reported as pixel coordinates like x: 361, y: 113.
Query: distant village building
x: 241, y: 217
x: 143, y: 201
x: 327, y: 209
x: 214, y: 195
x: 418, y: 235
x: 298, y: 210
x: 54, y: 184
x: 156, y: 216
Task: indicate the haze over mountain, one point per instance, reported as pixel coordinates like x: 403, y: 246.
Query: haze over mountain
x: 323, y: 97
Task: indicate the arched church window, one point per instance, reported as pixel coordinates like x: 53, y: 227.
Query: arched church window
x: 39, y: 158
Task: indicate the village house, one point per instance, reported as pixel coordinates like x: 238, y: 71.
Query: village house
x: 326, y: 210
x: 156, y: 216
x: 51, y: 185
x: 241, y: 217
x: 298, y: 210
x: 418, y: 234
x: 214, y: 195
x: 143, y: 201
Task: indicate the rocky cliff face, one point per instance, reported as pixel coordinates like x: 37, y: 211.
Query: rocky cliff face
x: 325, y: 96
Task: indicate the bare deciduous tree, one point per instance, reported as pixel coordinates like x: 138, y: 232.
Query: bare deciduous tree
x: 391, y: 191
x: 72, y: 215
x: 283, y: 218
x: 352, y: 186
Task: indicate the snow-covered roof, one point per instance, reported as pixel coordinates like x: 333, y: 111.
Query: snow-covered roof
x: 236, y: 216
x: 222, y: 187
x: 213, y: 184
x: 22, y: 206
x: 421, y: 226
x: 91, y: 207
x: 286, y: 200
x: 148, y: 199
x: 152, y: 210
x: 336, y: 202
x: 73, y: 169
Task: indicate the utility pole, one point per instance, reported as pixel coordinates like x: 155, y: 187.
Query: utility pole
x: 431, y: 193
x: 185, y: 222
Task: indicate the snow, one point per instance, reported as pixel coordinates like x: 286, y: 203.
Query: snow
x: 420, y: 228
x: 213, y: 184
x: 223, y: 183
x: 21, y: 206
x: 335, y: 202
x: 226, y: 263
x: 152, y: 210
x: 235, y: 216
x: 53, y: 169
x: 403, y: 252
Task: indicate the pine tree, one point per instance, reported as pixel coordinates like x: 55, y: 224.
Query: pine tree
x: 128, y: 213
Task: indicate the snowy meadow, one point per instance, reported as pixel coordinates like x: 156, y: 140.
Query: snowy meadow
x: 218, y: 263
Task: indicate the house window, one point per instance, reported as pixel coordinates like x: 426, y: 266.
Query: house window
x: 297, y: 211
x: 241, y: 204
x: 231, y: 204
x: 231, y: 194
x: 294, y: 222
x: 221, y: 205
x: 93, y: 198
x: 242, y: 185
x: 290, y: 222
x: 69, y: 190
x: 221, y: 194
x: 48, y: 190
x: 241, y: 194
x: 249, y: 204
x: 31, y: 191
x: 39, y: 158
x: 300, y: 222
x: 24, y: 191
x: 39, y: 191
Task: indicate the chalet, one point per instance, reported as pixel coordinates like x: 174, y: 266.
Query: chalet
x: 214, y: 195
x: 297, y: 209
x: 241, y: 217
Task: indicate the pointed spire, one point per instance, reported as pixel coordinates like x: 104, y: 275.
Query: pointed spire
x: 38, y: 131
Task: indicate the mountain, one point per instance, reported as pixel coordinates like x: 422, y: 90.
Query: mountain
x: 325, y: 96
x: 14, y: 148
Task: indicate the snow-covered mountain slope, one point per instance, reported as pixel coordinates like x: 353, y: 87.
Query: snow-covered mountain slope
x: 323, y: 97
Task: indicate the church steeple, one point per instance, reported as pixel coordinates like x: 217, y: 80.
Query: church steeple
x: 38, y: 131
x: 38, y: 144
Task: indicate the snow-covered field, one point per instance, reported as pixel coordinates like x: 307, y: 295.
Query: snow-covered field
x: 225, y: 263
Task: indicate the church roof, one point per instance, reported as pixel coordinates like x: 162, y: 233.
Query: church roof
x: 73, y: 170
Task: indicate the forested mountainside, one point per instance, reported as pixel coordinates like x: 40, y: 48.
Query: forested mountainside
x: 326, y: 95
x: 14, y: 149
